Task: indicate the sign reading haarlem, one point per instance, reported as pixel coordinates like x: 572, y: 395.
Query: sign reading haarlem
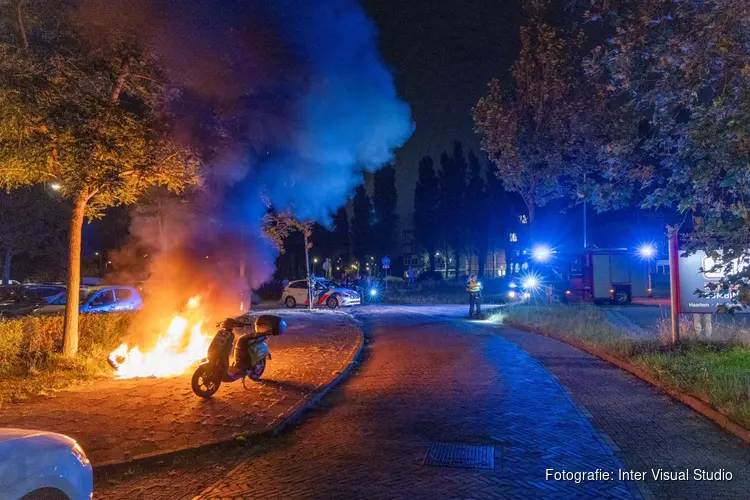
x: 696, y: 273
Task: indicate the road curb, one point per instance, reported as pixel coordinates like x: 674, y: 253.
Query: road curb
x: 693, y: 402
x: 274, y: 429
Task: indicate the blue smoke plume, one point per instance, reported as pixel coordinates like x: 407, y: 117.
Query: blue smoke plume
x: 348, y: 117
x: 313, y: 102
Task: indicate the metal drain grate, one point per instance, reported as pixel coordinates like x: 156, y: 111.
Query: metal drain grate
x: 460, y: 455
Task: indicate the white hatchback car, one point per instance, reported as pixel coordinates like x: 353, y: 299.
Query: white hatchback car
x: 43, y: 465
x: 326, y: 293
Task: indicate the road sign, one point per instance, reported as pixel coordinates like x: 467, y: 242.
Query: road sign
x: 327, y: 265
x: 696, y: 272
x: 386, y: 262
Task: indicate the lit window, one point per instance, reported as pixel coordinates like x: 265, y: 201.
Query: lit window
x: 523, y: 219
x: 513, y: 237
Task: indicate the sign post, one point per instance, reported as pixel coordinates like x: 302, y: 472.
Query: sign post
x: 327, y: 268
x: 674, y: 284
x: 386, y: 262
x: 308, y: 246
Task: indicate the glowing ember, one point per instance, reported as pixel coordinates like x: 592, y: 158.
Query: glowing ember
x: 175, y: 351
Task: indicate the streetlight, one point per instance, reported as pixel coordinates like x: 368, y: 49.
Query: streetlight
x: 647, y: 251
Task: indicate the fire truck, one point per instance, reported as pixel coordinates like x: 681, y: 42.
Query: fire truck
x: 606, y: 274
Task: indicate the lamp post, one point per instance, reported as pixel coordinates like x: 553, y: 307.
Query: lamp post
x: 647, y: 251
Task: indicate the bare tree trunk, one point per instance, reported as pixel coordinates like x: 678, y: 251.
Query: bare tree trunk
x: 6, y: 266
x: 70, y: 331
x: 21, y: 26
x: 458, y: 260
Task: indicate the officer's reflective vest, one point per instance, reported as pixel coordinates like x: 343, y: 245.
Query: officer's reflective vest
x: 474, y: 287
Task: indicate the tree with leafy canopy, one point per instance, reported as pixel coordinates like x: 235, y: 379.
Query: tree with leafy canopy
x: 477, y: 213
x: 361, y: 224
x: 384, y: 200
x: 453, y: 201
x: 534, y: 129
x: 678, y: 75
x: 88, y: 112
x: 427, y: 227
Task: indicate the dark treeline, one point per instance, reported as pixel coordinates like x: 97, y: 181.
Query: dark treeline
x: 460, y: 209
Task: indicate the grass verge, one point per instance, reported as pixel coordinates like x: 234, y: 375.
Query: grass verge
x: 716, y: 372
x: 30, y: 347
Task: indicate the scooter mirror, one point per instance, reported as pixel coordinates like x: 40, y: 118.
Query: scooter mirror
x: 268, y: 324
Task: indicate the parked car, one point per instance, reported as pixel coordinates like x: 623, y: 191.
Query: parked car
x: 97, y: 299
x: 17, y: 300
x: 43, y: 465
x: 325, y: 293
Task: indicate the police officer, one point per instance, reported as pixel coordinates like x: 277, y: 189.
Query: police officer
x: 474, y: 288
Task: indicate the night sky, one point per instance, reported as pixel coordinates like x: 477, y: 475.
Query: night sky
x: 442, y: 54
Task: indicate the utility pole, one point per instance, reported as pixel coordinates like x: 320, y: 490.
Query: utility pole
x: 243, y: 259
x: 674, y: 283
x: 308, y: 246
x: 585, y: 227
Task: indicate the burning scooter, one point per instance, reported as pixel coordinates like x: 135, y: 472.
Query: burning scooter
x: 249, y: 353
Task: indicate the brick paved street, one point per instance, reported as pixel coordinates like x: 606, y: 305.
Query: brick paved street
x: 647, y: 429
x: 118, y: 419
x: 429, y: 377
x: 426, y: 380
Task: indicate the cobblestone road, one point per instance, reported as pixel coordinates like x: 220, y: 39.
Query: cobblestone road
x: 118, y: 419
x: 647, y: 429
x: 428, y: 379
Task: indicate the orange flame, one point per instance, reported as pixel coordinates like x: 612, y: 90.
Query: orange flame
x: 175, y: 351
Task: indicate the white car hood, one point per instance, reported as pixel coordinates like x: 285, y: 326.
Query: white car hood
x: 8, y: 436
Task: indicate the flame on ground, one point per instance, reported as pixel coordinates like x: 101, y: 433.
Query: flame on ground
x: 175, y: 351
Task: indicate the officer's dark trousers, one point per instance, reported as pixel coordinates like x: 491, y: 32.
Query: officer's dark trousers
x: 475, y: 298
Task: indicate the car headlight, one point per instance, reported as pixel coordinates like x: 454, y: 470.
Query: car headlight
x: 80, y: 454
x: 530, y: 283
x: 373, y: 292
x: 512, y: 284
x: 512, y: 294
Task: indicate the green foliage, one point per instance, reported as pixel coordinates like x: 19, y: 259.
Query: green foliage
x: 678, y: 78
x: 278, y: 226
x: 30, y: 347
x: 86, y: 112
x: 539, y: 128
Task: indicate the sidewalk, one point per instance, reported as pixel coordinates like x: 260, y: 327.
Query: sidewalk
x: 647, y: 429
x: 120, y: 420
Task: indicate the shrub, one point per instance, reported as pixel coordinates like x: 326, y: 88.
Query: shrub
x: 27, y: 343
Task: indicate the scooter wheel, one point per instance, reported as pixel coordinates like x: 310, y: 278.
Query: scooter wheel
x: 257, y: 371
x: 205, y: 382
